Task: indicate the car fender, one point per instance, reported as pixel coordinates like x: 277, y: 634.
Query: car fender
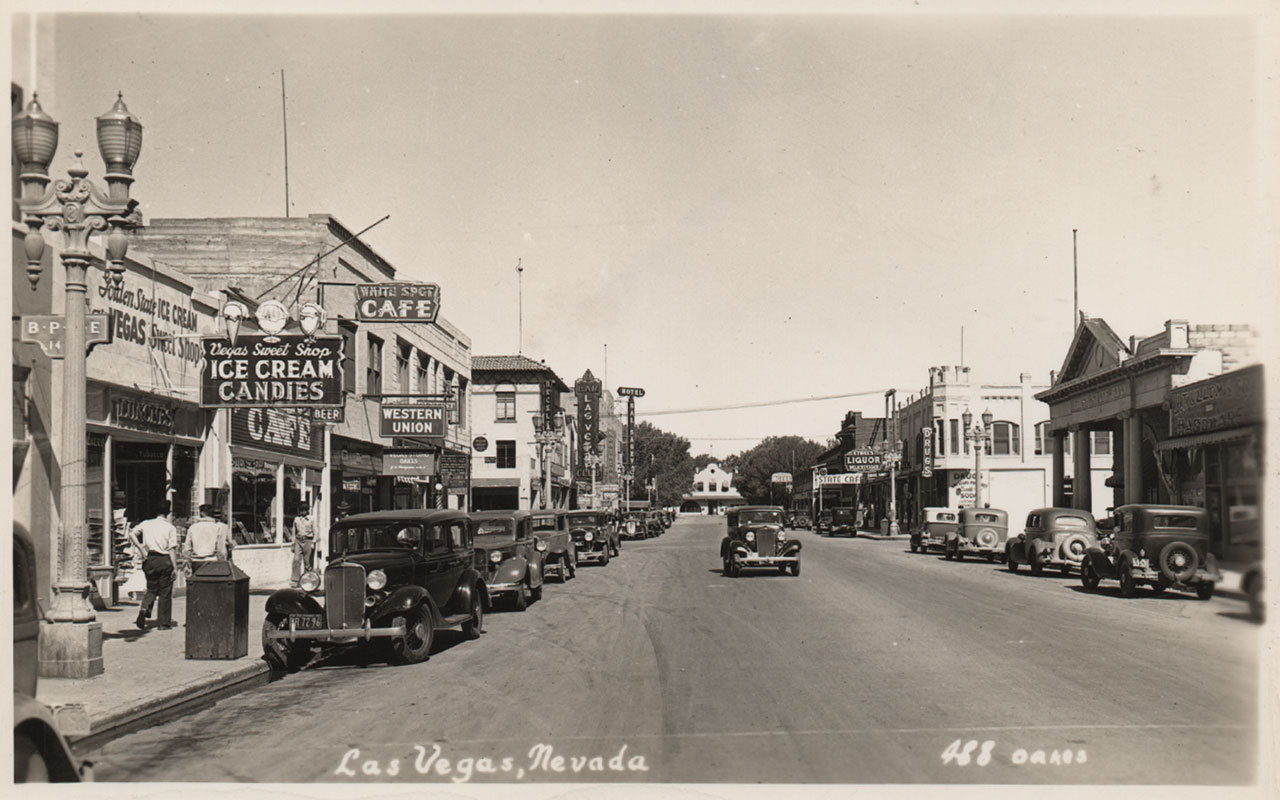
x: 1101, y: 562
x: 739, y: 548
x: 791, y: 547
x: 401, y: 600
x: 512, y: 570
x: 469, y: 586
x: 725, y: 543
x: 34, y: 720
x: 293, y: 601
x: 535, y: 570
x: 1016, y: 548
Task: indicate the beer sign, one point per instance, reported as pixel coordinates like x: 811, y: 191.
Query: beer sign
x: 397, y: 302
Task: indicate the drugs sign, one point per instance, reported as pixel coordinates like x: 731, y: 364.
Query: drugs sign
x: 291, y: 371
x: 414, y: 417
x: 397, y: 302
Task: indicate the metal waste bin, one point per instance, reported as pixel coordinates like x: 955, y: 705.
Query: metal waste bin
x: 218, y: 611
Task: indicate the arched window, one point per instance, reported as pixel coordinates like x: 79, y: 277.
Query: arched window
x: 505, y: 398
x: 1044, y: 439
x: 1004, y: 439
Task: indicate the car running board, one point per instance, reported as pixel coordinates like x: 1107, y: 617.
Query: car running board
x: 457, y: 619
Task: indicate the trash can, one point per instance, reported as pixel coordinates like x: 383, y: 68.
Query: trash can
x: 218, y: 611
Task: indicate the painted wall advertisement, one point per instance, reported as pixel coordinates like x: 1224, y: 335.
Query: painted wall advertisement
x: 280, y: 430
x: 281, y: 371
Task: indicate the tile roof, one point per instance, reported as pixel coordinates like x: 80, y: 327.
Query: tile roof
x: 513, y: 364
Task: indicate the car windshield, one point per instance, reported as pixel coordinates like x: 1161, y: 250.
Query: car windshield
x: 1071, y: 522
x: 384, y: 536
x: 842, y: 514
x: 748, y: 517
x: 1174, y: 521
x: 544, y: 523
x: 585, y: 519
x: 496, y: 527
x: 634, y: 516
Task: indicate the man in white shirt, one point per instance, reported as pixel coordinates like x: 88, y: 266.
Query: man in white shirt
x: 157, y: 539
x: 304, y: 542
x: 207, y: 539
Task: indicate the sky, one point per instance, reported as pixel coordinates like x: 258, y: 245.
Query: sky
x: 744, y: 207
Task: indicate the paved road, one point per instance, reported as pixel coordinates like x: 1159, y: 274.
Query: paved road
x: 866, y: 668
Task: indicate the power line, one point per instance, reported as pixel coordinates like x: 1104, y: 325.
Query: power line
x: 760, y: 404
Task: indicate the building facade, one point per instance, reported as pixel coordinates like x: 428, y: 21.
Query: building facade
x: 506, y: 466
x: 712, y: 492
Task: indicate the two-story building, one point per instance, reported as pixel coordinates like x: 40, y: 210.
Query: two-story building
x: 712, y: 492
x: 506, y: 466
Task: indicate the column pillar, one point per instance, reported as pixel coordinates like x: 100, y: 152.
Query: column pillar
x: 1059, y: 467
x: 1082, y: 483
x: 279, y: 515
x: 1133, y: 488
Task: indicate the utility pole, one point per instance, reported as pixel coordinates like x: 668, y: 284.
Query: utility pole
x: 1075, y: 284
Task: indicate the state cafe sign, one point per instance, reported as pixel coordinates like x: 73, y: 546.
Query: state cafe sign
x: 290, y: 371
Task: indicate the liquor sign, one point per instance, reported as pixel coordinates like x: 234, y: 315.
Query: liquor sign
x: 397, y: 302
x: 863, y: 461
x: 413, y: 417
x: 926, y: 452
x: 630, y: 391
x: 278, y: 371
x: 587, y: 388
x: 780, y: 477
x: 455, y: 469
x: 49, y: 331
x: 335, y: 415
x: 409, y: 463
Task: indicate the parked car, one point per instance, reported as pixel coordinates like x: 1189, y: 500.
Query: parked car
x: 633, y: 525
x: 801, y: 519
x: 1053, y: 537
x: 393, y: 575
x: 41, y: 753
x: 595, y: 538
x: 756, y: 539
x: 938, y: 523
x: 552, y: 527
x: 509, y: 555
x: 653, y: 521
x: 980, y: 532
x: 1162, y: 546
x: 838, y: 522
x: 1252, y: 583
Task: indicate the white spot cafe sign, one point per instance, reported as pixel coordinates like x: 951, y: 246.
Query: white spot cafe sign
x: 279, y: 371
x: 397, y: 302
x: 418, y: 417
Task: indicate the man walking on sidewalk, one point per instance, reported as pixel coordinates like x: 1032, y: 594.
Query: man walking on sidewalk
x: 304, y: 543
x: 157, y: 539
x: 207, y: 539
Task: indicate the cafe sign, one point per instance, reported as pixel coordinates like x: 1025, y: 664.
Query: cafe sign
x: 422, y: 416
x: 397, y: 302
x: 277, y: 371
x: 280, y: 430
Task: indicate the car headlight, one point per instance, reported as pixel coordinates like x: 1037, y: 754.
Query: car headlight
x: 782, y: 536
x: 542, y: 547
x: 376, y: 580
x: 310, y: 581
x: 751, y: 536
x: 495, y: 556
x: 588, y: 536
x: 1143, y: 552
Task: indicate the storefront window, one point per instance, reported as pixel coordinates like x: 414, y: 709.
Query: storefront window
x: 253, y: 492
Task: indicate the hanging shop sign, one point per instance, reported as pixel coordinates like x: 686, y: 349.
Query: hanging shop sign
x: 926, y: 452
x: 454, y: 470
x: 840, y: 479
x: 279, y: 371
x: 480, y: 444
x: 418, y: 417
x: 331, y: 414
x: 630, y: 391
x: 588, y: 388
x: 549, y: 396
x: 863, y: 461
x: 49, y: 331
x: 409, y: 463
x: 397, y: 302
x: 280, y: 430
x: 780, y: 477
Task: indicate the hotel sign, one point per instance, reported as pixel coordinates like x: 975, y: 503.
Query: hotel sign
x: 397, y: 302
x: 289, y: 371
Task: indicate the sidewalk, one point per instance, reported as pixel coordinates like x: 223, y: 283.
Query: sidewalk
x: 148, y: 673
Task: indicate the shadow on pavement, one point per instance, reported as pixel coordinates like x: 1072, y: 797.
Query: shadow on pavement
x: 1243, y: 616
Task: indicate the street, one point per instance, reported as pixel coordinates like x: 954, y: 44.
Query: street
x: 875, y: 665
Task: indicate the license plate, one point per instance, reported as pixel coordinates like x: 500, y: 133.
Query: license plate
x: 307, y: 622
x: 1141, y: 562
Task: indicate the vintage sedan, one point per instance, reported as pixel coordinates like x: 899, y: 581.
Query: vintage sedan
x: 981, y: 532
x: 395, y: 576
x: 654, y: 523
x: 839, y: 522
x: 938, y: 524
x: 510, y: 555
x: 40, y: 752
x: 1053, y: 537
x: 801, y: 519
x: 633, y: 525
x: 1163, y: 546
x: 552, y: 527
x: 595, y: 538
x: 757, y: 540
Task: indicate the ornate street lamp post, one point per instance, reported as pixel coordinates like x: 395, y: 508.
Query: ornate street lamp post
x: 979, y: 435
x: 547, y: 432
x: 77, y: 208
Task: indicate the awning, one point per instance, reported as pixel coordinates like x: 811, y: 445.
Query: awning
x: 1214, y: 437
x: 495, y: 483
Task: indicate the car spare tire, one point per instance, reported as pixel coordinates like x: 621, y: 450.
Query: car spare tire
x: 1073, y: 548
x: 1178, y: 561
x: 987, y: 537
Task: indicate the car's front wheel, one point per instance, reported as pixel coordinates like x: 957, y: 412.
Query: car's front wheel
x: 795, y: 569
x: 1089, y: 578
x: 604, y: 556
x: 1204, y: 590
x: 473, y: 627
x: 29, y: 765
x: 282, y: 654
x: 1033, y: 562
x: 535, y: 593
x: 419, y: 631
x: 521, y: 599
x: 1128, y: 584
x: 1009, y: 561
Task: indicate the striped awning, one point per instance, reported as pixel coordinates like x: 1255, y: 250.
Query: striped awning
x: 1213, y: 437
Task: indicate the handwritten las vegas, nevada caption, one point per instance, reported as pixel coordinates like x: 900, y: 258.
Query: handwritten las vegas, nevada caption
x: 541, y: 759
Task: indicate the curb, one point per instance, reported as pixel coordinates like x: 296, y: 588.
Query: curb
x: 116, y: 722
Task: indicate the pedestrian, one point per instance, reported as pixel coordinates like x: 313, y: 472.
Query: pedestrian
x: 304, y: 543
x: 207, y: 539
x: 157, y: 539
